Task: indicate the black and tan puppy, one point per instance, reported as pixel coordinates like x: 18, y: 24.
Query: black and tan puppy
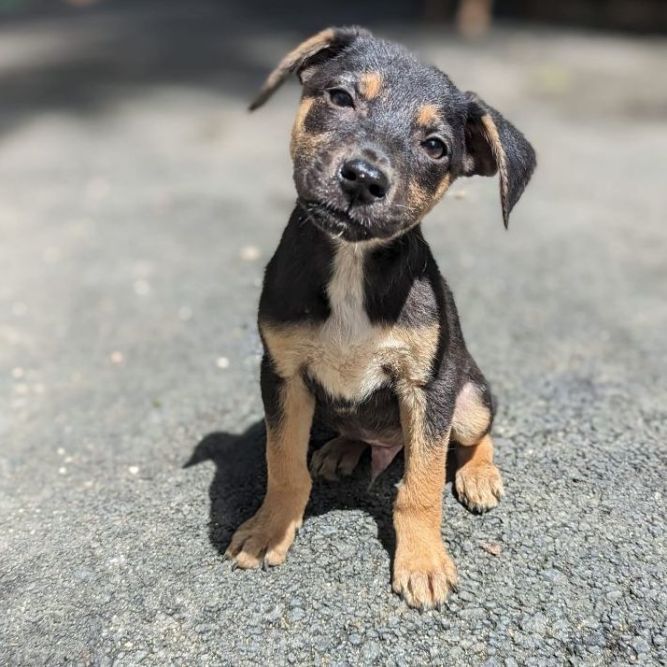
x: 359, y: 328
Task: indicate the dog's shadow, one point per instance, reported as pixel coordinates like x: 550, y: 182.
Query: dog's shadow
x: 239, y: 481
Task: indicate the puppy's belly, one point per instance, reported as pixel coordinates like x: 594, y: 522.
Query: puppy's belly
x: 375, y: 420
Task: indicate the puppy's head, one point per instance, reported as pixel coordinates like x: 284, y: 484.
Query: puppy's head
x: 379, y: 137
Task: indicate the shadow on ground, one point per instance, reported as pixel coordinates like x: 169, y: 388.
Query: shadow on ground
x: 238, y: 485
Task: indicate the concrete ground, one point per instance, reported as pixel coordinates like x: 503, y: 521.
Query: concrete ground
x: 138, y: 204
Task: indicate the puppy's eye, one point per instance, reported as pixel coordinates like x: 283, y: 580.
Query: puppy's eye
x: 340, y: 97
x: 435, y: 148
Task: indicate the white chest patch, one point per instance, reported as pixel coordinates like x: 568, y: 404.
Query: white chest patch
x: 351, y: 350
x: 348, y: 321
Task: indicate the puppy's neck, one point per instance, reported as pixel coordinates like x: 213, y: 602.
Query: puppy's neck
x: 346, y: 291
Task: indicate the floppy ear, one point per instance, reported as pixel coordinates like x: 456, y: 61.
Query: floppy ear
x: 316, y: 49
x: 492, y: 145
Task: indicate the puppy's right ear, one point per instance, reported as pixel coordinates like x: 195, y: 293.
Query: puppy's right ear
x: 315, y: 50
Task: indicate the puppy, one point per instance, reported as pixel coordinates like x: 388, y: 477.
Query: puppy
x: 359, y: 328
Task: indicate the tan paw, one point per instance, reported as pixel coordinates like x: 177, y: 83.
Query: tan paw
x: 265, y: 538
x: 424, y: 577
x: 479, y: 486
x: 339, y: 455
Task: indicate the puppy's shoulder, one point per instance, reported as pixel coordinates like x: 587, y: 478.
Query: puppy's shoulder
x: 296, y: 277
x: 403, y: 283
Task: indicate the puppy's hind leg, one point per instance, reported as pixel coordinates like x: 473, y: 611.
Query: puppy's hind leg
x: 478, y: 483
x: 340, y: 455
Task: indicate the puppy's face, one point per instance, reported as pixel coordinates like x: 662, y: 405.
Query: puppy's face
x: 373, y: 147
x: 379, y: 137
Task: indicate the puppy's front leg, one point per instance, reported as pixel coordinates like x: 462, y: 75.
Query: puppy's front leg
x: 423, y: 571
x: 268, y: 535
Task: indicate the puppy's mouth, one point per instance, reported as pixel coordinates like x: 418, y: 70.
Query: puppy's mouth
x: 336, y: 221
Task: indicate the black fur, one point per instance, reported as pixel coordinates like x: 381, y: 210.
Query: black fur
x: 271, y: 384
x: 402, y: 283
x: 296, y: 278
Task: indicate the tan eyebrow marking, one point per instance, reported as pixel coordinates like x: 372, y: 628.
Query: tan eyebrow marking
x: 370, y: 84
x: 427, y: 115
x: 299, y: 132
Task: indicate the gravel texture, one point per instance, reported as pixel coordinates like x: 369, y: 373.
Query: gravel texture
x: 138, y: 204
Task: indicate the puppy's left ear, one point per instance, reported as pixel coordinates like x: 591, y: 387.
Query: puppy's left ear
x: 492, y: 144
x: 316, y: 49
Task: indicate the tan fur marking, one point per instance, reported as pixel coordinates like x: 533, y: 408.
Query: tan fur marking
x: 427, y: 115
x: 471, y: 417
x: 287, y: 442
x: 418, y: 197
x: 370, y: 84
x: 352, y: 368
x: 311, y: 44
x: 269, y: 534
x: 307, y: 48
x: 478, y: 482
x: 423, y: 571
x: 443, y: 186
x: 493, y: 137
x: 298, y: 130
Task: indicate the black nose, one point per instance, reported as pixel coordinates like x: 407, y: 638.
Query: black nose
x: 363, y: 182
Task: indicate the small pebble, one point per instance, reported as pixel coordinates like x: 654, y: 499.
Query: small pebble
x: 492, y: 548
x: 222, y: 362
x: 117, y: 357
x: 18, y: 373
x: 133, y: 470
x: 249, y: 253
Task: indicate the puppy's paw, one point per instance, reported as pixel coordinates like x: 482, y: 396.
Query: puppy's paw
x: 339, y: 455
x: 479, y: 486
x: 265, y: 538
x: 423, y: 576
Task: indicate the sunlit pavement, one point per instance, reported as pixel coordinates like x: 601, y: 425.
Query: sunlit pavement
x: 138, y: 205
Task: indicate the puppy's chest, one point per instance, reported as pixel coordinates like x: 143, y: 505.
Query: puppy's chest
x: 349, y: 356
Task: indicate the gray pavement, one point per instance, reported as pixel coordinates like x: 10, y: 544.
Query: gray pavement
x: 138, y: 204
